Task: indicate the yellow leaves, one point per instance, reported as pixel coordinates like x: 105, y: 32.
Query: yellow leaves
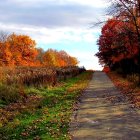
x: 58, y: 59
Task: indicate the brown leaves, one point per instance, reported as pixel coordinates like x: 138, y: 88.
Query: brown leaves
x: 8, y: 113
x: 127, y: 88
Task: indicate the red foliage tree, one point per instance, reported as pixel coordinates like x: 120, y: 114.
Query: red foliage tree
x: 118, y: 44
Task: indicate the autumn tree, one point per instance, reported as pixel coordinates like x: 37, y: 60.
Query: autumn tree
x: 17, y: 50
x: 49, y: 58
x: 58, y: 59
x: 118, y: 47
x: 119, y: 42
x: 128, y: 11
x: 23, y: 49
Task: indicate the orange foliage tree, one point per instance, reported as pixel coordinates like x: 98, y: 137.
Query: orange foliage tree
x: 18, y: 50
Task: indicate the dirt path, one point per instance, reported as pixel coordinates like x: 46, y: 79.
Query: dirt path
x: 104, y: 113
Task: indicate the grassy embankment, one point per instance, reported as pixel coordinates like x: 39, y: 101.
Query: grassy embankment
x: 44, y: 113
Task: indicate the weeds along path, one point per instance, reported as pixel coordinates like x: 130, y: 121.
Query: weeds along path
x: 45, y: 112
x: 104, y: 113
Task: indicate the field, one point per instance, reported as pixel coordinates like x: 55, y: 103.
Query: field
x: 13, y: 81
x: 40, y: 110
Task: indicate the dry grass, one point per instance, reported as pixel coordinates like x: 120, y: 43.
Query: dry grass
x: 13, y: 81
x: 36, y: 76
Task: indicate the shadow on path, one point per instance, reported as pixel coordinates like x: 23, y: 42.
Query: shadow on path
x: 104, y: 113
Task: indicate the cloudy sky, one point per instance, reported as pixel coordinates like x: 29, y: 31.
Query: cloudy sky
x: 58, y: 24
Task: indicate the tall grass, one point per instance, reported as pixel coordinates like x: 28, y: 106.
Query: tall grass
x: 37, y: 76
x: 46, y: 114
x: 13, y: 80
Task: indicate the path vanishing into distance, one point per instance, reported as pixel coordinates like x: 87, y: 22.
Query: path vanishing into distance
x: 103, y: 113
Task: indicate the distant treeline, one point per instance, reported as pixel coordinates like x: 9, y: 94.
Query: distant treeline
x: 20, y: 50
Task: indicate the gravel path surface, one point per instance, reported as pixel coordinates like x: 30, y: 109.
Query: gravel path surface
x: 103, y: 113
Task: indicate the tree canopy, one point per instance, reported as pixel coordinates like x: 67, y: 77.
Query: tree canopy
x: 119, y: 42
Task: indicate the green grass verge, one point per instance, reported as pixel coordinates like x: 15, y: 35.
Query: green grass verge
x: 46, y: 113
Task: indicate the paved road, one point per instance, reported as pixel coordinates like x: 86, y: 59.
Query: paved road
x: 104, y: 113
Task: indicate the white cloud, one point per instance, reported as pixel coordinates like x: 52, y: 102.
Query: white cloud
x: 87, y: 59
x: 46, y: 35
x: 88, y: 37
x: 51, y: 13
x: 93, y: 3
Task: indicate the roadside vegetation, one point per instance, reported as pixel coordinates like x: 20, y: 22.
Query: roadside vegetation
x: 42, y: 112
